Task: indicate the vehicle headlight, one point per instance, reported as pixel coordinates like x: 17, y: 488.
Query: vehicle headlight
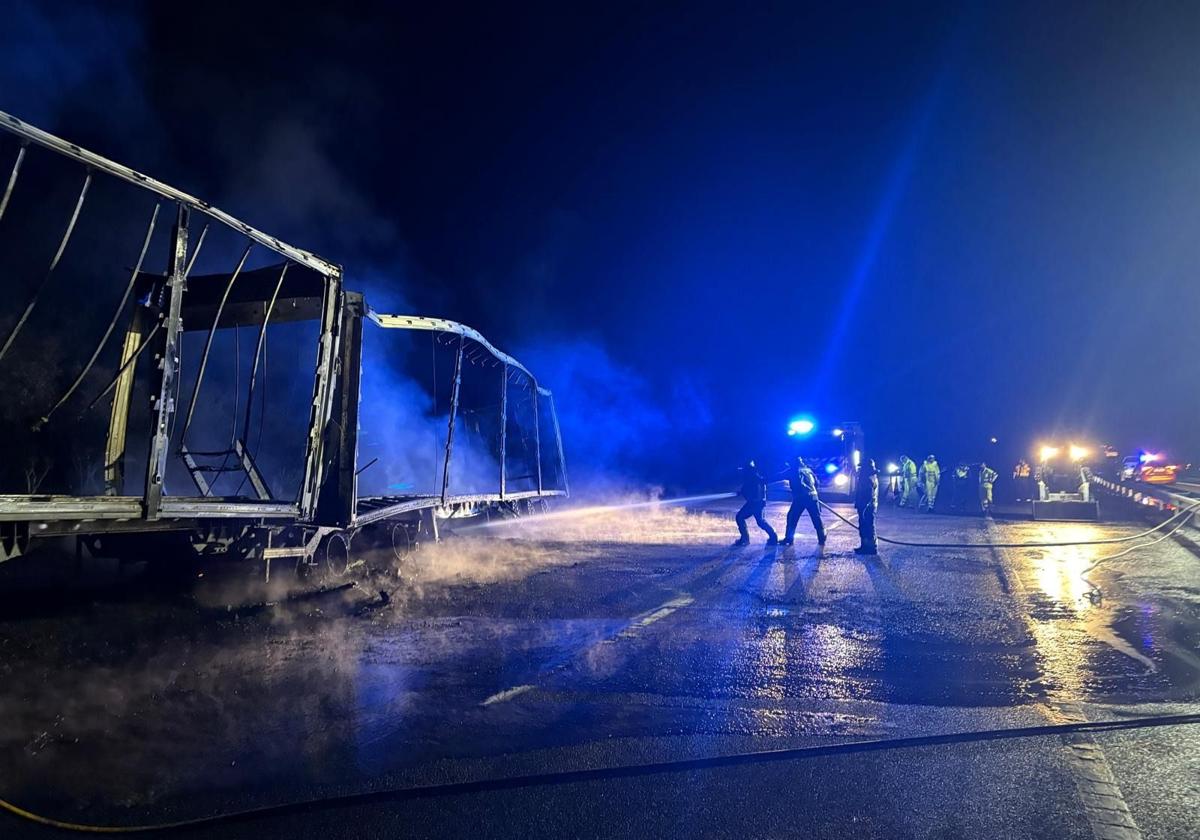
x: 841, y: 480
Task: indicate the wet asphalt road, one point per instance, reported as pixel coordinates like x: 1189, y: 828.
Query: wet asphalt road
x: 627, y: 638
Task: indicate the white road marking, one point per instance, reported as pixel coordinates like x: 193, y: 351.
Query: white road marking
x: 631, y: 630
x: 1108, y: 637
x: 507, y: 694
x: 655, y: 615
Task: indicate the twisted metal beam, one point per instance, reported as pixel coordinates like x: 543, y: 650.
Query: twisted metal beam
x: 111, y: 324
x: 12, y: 178
x: 258, y: 353
x: 129, y: 363
x: 562, y: 460
x: 442, y: 325
x: 97, y: 162
x: 196, y: 251
x: 187, y: 423
x: 62, y: 246
x: 454, y: 394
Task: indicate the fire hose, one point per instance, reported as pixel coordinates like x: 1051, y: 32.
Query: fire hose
x: 1185, y: 513
x: 608, y: 773
x: 1181, y: 517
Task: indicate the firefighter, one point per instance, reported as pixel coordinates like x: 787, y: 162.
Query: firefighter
x: 754, y: 491
x: 866, y: 502
x: 1041, y: 477
x: 908, y: 482
x: 929, y: 476
x: 1021, y: 473
x: 958, y: 491
x: 803, y: 484
x: 987, y: 477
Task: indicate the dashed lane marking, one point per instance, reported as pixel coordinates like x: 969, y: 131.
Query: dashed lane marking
x: 655, y: 615
x: 507, y: 694
x: 635, y: 626
x: 630, y: 631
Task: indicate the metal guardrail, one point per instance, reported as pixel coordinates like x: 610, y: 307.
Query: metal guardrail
x: 1150, y: 496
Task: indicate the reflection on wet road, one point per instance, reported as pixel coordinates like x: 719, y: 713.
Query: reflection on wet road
x: 586, y: 641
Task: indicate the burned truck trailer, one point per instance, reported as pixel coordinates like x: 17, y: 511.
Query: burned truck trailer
x: 240, y: 401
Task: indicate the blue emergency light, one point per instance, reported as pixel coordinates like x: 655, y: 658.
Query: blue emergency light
x: 801, y: 426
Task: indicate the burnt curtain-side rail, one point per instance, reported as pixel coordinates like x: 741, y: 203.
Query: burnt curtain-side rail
x: 508, y: 417
x: 158, y: 308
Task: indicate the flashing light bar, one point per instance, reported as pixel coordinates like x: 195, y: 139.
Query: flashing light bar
x: 801, y: 426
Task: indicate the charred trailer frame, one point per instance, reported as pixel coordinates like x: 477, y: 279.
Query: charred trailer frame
x: 327, y: 512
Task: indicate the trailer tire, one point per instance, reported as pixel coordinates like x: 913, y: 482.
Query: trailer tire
x: 403, y: 542
x: 335, y: 555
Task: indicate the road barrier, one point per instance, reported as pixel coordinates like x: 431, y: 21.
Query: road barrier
x: 1153, y: 497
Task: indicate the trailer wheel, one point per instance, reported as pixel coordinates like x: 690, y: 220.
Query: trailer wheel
x: 337, y: 555
x: 403, y: 543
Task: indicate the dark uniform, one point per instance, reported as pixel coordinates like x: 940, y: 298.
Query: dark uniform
x: 1021, y: 480
x: 866, y: 502
x: 754, y: 491
x: 958, y: 490
x: 803, y: 484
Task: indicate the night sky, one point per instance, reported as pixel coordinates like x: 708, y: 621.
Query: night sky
x: 947, y: 221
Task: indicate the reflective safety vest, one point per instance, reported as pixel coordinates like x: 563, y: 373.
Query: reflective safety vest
x: 808, y: 483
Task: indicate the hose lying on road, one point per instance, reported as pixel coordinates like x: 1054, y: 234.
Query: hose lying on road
x: 618, y: 772
x: 1191, y: 512
x: 1183, y: 512
x: 1184, y: 516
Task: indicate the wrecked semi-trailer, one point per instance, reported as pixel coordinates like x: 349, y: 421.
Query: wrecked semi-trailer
x: 238, y: 402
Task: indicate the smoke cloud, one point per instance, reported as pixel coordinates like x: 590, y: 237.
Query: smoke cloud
x: 79, y: 57
x: 287, y: 164
x: 619, y: 428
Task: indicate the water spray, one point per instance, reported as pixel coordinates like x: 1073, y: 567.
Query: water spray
x: 597, y: 510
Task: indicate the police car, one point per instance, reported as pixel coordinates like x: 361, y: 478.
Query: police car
x: 1150, y: 468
